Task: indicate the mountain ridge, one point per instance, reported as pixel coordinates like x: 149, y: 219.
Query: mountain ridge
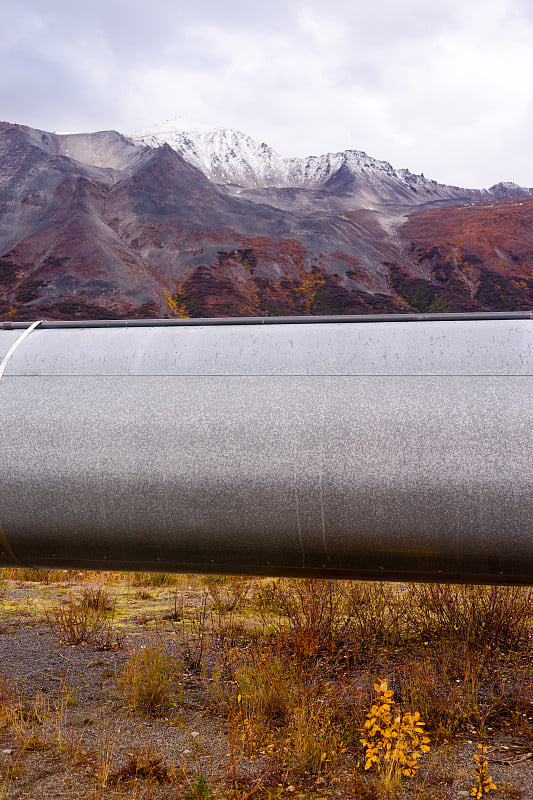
x: 230, y: 157
x: 97, y: 225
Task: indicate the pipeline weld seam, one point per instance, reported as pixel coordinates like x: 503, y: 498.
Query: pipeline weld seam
x: 3, y: 363
x: 9, y: 550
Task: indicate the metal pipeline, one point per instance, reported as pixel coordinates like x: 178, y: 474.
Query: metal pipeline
x: 358, y: 447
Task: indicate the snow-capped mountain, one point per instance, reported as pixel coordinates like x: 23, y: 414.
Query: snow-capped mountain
x: 230, y: 157
x: 97, y: 225
x: 227, y: 156
x: 223, y: 155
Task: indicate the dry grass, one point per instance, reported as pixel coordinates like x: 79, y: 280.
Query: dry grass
x: 142, y: 765
x: 37, y: 723
x: 266, y: 689
x: 147, y: 680
x: 28, y: 721
x: 315, y: 739
x: 289, y: 667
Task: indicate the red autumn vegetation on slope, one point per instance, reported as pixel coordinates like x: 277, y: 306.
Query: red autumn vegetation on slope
x: 477, y: 256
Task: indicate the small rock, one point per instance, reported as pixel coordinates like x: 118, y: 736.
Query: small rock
x: 7, y: 752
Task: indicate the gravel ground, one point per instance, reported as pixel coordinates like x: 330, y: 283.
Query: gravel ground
x: 87, y: 729
x: 78, y: 687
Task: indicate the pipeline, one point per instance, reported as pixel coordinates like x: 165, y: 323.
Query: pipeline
x: 392, y: 447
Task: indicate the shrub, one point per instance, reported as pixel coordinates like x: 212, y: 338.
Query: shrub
x: 85, y: 619
x: 315, y: 612
x: 479, y: 615
x: 379, y: 614
x: 393, y: 739
x: 228, y: 593
x: 98, y: 600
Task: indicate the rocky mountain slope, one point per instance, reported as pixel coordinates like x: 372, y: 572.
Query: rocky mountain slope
x: 102, y: 225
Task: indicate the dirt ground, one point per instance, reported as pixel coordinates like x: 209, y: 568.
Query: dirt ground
x: 66, y: 730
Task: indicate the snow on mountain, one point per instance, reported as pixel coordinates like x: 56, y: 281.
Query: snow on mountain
x: 224, y: 155
x: 230, y: 157
x: 508, y: 189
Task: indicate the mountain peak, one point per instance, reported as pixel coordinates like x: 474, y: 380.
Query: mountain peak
x: 174, y: 125
x: 230, y: 156
x: 233, y: 158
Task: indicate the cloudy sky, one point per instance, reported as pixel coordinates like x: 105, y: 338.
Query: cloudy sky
x: 443, y: 87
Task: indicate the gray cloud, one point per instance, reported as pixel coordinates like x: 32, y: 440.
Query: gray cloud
x: 439, y: 87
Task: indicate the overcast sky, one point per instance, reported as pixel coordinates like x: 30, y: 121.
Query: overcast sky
x: 443, y: 87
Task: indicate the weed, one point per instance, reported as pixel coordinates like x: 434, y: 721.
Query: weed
x: 147, y: 678
x: 154, y: 579
x: 484, y: 782
x: 200, y: 789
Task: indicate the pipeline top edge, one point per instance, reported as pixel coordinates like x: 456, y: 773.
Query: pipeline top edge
x: 361, y: 318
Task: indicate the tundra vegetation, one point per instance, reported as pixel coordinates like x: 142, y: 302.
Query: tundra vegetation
x: 160, y: 686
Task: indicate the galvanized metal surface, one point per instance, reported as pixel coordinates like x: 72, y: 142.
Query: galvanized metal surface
x: 379, y: 450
